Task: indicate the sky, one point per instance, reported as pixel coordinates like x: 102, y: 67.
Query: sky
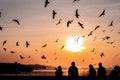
x: 38, y: 28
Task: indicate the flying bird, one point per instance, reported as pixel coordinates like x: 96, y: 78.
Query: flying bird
x: 75, y: 0
x: 1, y: 28
x: 56, y: 40
x: 5, y: 49
x: 27, y: 44
x: 101, y: 55
x: 93, y: 50
x: 45, y: 45
x: 69, y: 22
x: 4, y: 42
x: 15, y: 20
x: 111, y: 24
x: 17, y: 43
x: 54, y: 13
x: 90, y: 33
x: 103, y: 13
x: 76, y: 13
x: 62, y: 47
x: 59, y: 22
x: 46, y: 3
x: 110, y: 42
x: 12, y: 51
x: 97, y: 27
x: 81, y: 25
x: 106, y: 37
x: 21, y: 57
x: 43, y: 57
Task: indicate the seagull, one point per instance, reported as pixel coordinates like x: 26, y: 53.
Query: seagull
x: 27, y: 44
x: 103, y: 13
x: 59, y: 22
x: 76, y: 13
x: 111, y: 24
x: 43, y: 57
x: 4, y: 42
x: 56, y: 40
x: 81, y: 25
x: 1, y: 28
x: 54, y: 13
x: 15, y: 20
x: 17, y: 43
x: 97, y: 27
x: 107, y: 37
x: 75, y: 0
x: 69, y: 22
x: 101, y: 55
x: 12, y: 51
x: 93, y: 50
x: 5, y: 49
x: 90, y: 33
x: 29, y: 57
x: 21, y: 57
x: 46, y: 3
x: 62, y: 47
x: 110, y: 42
x: 45, y: 45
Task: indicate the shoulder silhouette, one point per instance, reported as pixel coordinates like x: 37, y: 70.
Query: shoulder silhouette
x: 59, y: 72
x: 92, y: 72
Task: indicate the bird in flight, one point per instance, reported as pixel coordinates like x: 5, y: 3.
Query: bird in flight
x: 97, y: 27
x: 59, y: 22
x: 17, y: 43
x: 106, y: 37
x: 90, y: 33
x: 5, y: 49
x: 4, y: 42
x: 69, y: 22
x: 12, y: 51
x: 1, y: 28
x: 21, y: 57
x: 101, y: 55
x: 62, y: 47
x: 43, y: 57
x: 54, y: 13
x: 15, y: 20
x: 103, y: 13
x: 81, y: 25
x: 75, y: 0
x: 111, y: 24
x: 56, y: 40
x: 46, y: 3
x: 45, y: 45
x: 93, y: 50
x: 27, y: 44
x: 76, y: 13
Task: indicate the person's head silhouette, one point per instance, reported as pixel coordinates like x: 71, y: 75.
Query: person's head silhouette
x: 59, y: 68
x: 91, y: 66
x: 100, y: 64
x: 73, y: 63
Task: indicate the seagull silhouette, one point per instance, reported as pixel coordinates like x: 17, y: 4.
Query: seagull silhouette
x: 81, y: 25
x: 90, y: 33
x: 54, y: 13
x: 46, y: 3
x: 5, y: 49
x: 103, y: 13
x: 45, y: 45
x: 43, y: 57
x: 106, y: 38
x: 15, y: 20
x: 17, y: 43
x: 59, y: 22
x: 96, y: 27
x: 12, y: 51
x: 76, y: 13
x: 56, y: 40
x: 27, y: 44
x: 75, y: 0
x: 93, y: 50
x: 111, y: 24
x: 21, y: 57
x: 69, y: 22
x: 1, y: 28
x: 101, y: 55
x: 62, y: 47
x: 4, y: 42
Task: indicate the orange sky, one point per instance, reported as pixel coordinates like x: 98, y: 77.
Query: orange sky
x: 38, y: 28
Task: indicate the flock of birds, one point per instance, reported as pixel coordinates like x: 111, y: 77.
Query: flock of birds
x: 54, y: 13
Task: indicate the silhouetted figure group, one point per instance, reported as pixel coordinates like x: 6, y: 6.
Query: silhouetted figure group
x: 101, y: 72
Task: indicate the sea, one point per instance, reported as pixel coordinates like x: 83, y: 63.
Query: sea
x: 51, y: 72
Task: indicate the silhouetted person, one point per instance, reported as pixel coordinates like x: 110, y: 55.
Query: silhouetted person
x: 101, y: 72
x: 73, y: 70
x: 59, y: 72
x: 92, y: 73
x: 114, y: 74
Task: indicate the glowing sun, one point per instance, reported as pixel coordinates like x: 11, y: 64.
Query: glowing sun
x: 74, y: 44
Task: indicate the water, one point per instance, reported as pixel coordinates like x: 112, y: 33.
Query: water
x: 51, y: 72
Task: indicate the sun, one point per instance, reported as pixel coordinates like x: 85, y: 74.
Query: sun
x: 74, y: 44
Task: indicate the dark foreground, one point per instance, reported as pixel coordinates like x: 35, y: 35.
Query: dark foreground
x: 47, y: 78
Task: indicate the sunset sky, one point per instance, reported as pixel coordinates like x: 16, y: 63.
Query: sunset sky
x: 38, y: 28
